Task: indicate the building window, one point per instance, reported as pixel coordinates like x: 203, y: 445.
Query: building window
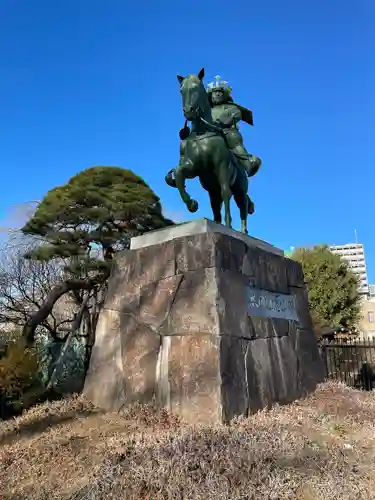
x: 370, y: 316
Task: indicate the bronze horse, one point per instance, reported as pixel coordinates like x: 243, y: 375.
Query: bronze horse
x: 207, y: 156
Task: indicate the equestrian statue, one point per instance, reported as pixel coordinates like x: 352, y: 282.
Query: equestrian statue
x: 213, y: 148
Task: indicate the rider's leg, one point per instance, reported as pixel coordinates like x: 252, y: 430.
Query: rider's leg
x: 250, y: 163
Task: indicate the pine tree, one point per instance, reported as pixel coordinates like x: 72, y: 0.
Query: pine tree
x: 84, y: 222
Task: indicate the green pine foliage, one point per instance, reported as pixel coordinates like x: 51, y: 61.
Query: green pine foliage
x: 333, y: 288
x: 99, y: 208
x: 83, y: 223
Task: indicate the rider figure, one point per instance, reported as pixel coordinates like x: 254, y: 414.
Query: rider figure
x: 227, y: 114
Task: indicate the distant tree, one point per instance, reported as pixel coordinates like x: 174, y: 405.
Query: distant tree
x: 333, y: 288
x: 84, y: 222
x: 24, y: 284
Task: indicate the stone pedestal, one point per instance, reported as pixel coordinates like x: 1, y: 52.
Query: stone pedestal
x: 208, y: 322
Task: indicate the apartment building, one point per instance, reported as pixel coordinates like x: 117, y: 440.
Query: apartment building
x: 354, y: 255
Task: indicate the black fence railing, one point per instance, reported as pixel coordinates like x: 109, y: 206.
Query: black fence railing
x: 350, y: 361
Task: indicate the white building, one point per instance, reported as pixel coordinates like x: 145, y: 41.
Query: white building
x: 354, y: 255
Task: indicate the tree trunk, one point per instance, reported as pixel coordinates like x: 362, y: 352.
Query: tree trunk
x: 56, y: 293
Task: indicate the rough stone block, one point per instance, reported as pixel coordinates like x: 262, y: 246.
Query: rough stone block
x: 263, y: 328
x: 104, y: 384
x: 268, y: 270
x: 155, y: 264
x: 194, y: 252
x: 194, y: 378
x: 294, y: 273
x: 229, y: 253
x: 234, y: 385
x: 139, y: 353
x: 311, y: 366
x: 194, y: 305
x: 210, y: 324
x: 231, y: 304
x: 284, y: 365
x: 259, y: 375
x: 301, y: 301
x: 272, y: 368
x: 156, y: 300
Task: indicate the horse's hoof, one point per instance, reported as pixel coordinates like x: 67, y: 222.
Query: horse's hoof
x: 169, y: 178
x: 192, y: 206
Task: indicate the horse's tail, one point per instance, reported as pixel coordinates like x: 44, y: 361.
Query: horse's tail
x: 250, y: 204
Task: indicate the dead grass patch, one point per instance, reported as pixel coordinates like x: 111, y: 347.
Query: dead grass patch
x: 318, y: 448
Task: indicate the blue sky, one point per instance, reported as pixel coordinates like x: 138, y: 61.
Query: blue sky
x: 86, y: 83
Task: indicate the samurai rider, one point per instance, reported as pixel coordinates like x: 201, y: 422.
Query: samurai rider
x: 227, y: 114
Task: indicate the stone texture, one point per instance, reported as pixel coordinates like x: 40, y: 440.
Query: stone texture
x: 139, y: 354
x: 183, y: 326
x: 300, y: 295
x: 234, y: 388
x: 311, y: 369
x: 271, y: 372
x: 194, y: 378
x: 231, y: 305
x: 104, y: 384
x: 264, y: 328
x: 157, y: 300
x: 194, y: 252
x: 294, y: 273
x: 267, y: 270
x: 199, y: 315
x: 259, y: 375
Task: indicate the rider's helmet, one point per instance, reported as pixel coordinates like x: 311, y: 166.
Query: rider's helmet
x: 219, y: 91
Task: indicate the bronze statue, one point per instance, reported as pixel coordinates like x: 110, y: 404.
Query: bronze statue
x: 213, y: 151
x: 227, y: 114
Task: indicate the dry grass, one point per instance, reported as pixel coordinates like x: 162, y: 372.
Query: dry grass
x: 319, y: 448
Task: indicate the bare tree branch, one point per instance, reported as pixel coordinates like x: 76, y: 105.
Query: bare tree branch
x: 24, y: 286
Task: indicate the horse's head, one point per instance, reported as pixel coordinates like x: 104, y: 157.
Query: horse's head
x: 194, y: 95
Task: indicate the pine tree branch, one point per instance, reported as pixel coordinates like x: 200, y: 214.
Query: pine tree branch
x: 55, y: 294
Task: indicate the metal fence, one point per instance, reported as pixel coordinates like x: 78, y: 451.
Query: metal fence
x: 352, y: 362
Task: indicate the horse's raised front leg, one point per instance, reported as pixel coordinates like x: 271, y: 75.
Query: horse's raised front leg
x: 185, y: 171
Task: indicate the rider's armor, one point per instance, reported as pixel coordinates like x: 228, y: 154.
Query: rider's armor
x: 227, y: 114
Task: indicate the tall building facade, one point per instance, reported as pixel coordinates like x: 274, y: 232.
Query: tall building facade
x: 354, y: 255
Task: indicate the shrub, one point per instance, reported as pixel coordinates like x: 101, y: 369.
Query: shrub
x: 19, y: 381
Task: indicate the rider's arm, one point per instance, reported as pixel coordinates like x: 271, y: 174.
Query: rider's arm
x: 231, y: 116
x: 236, y: 114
